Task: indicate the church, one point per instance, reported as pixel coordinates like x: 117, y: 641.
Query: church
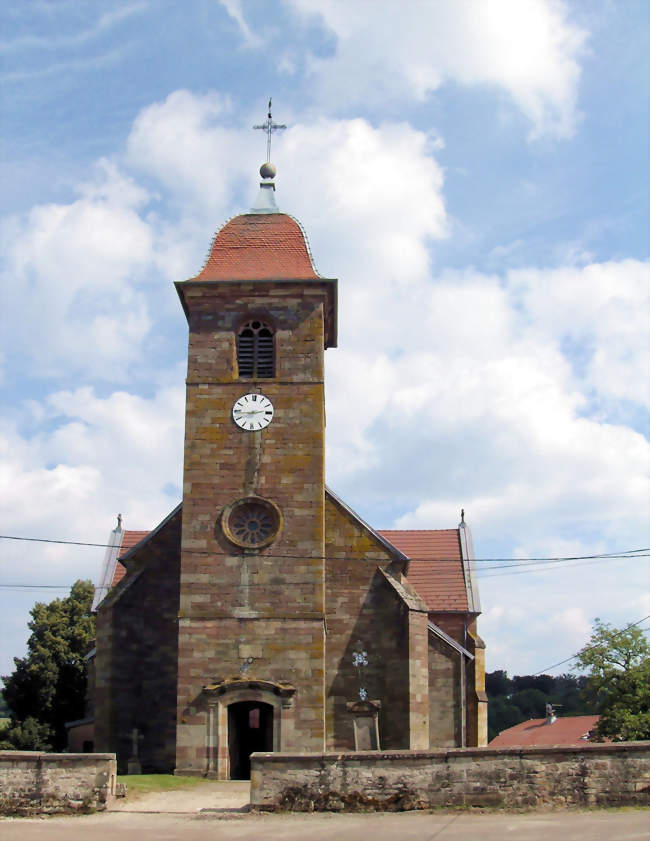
x: 263, y: 614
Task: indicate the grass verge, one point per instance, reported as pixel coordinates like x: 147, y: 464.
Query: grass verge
x: 146, y: 783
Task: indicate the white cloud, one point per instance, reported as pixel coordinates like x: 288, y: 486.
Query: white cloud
x: 184, y: 144
x: 70, y: 301
x: 602, y: 313
x: 103, y: 23
x: 526, y: 48
x: 484, y: 409
x: 234, y: 9
x: 573, y: 623
x: 89, y: 458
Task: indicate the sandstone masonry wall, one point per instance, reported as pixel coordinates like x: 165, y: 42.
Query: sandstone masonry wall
x: 33, y: 782
x: 572, y: 776
x: 137, y: 656
x: 356, y: 594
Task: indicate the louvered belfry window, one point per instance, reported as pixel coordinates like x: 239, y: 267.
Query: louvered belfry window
x: 255, y: 352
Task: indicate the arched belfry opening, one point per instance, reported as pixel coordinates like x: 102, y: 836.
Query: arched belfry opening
x: 255, y: 350
x: 250, y: 729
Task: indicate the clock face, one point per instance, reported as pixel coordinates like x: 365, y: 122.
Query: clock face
x: 252, y: 412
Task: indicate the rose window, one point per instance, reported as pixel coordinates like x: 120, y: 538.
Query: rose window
x: 252, y: 523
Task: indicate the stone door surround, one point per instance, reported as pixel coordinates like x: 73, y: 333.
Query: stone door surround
x: 221, y: 695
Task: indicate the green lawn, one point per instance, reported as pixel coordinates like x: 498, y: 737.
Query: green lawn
x: 144, y: 783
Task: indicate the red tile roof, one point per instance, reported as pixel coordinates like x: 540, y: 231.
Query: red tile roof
x: 435, y: 566
x: 535, y: 731
x: 259, y: 246
x: 129, y: 539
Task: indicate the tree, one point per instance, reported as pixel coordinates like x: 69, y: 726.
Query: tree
x: 618, y: 662
x: 542, y: 683
x: 498, y: 683
x: 4, y: 708
x: 26, y: 735
x: 48, y: 686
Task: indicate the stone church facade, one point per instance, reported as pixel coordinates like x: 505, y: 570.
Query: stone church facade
x: 263, y: 613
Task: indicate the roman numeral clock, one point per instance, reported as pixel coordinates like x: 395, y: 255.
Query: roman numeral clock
x: 252, y: 412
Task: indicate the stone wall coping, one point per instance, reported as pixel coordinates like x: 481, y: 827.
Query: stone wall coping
x: 31, y: 755
x: 456, y: 753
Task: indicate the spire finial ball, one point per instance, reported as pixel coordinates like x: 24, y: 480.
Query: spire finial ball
x: 268, y: 170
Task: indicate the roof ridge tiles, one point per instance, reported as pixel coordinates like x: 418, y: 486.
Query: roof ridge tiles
x: 425, y: 531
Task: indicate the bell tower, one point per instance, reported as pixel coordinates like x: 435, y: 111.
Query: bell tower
x: 251, y: 619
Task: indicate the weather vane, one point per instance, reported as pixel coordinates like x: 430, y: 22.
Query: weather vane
x: 269, y: 127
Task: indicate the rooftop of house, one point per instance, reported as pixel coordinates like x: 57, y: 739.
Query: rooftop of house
x: 571, y: 730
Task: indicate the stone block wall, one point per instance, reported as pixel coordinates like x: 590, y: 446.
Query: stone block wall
x: 32, y: 782
x: 137, y: 656
x: 445, y: 695
x: 356, y: 593
x: 571, y: 776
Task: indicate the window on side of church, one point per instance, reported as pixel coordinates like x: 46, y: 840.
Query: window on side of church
x: 255, y: 351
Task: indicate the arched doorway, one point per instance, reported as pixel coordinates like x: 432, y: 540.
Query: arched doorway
x: 250, y: 729
x: 233, y: 733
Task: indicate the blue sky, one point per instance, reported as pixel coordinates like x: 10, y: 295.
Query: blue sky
x: 476, y: 176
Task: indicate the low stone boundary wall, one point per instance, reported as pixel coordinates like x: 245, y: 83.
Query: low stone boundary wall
x: 32, y: 782
x: 589, y: 775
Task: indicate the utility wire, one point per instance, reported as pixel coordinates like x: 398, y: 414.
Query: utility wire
x: 588, y: 648
x: 486, y: 572
x: 626, y: 553
x: 440, y: 577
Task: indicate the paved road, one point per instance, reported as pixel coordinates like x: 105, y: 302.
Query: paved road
x: 406, y: 826
x: 216, y: 812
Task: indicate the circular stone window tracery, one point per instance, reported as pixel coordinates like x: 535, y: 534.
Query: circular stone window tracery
x: 251, y: 522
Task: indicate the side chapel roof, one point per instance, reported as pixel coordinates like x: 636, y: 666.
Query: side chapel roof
x: 435, y: 565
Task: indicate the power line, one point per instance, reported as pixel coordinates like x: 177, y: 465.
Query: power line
x: 48, y: 540
x: 35, y: 586
x: 440, y: 577
x: 626, y: 553
x: 486, y: 572
x: 588, y: 648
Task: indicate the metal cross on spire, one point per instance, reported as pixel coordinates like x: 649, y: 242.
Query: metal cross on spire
x: 269, y: 127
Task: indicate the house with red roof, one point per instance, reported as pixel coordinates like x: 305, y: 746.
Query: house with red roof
x: 263, y: 613
x: 538, y: 732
